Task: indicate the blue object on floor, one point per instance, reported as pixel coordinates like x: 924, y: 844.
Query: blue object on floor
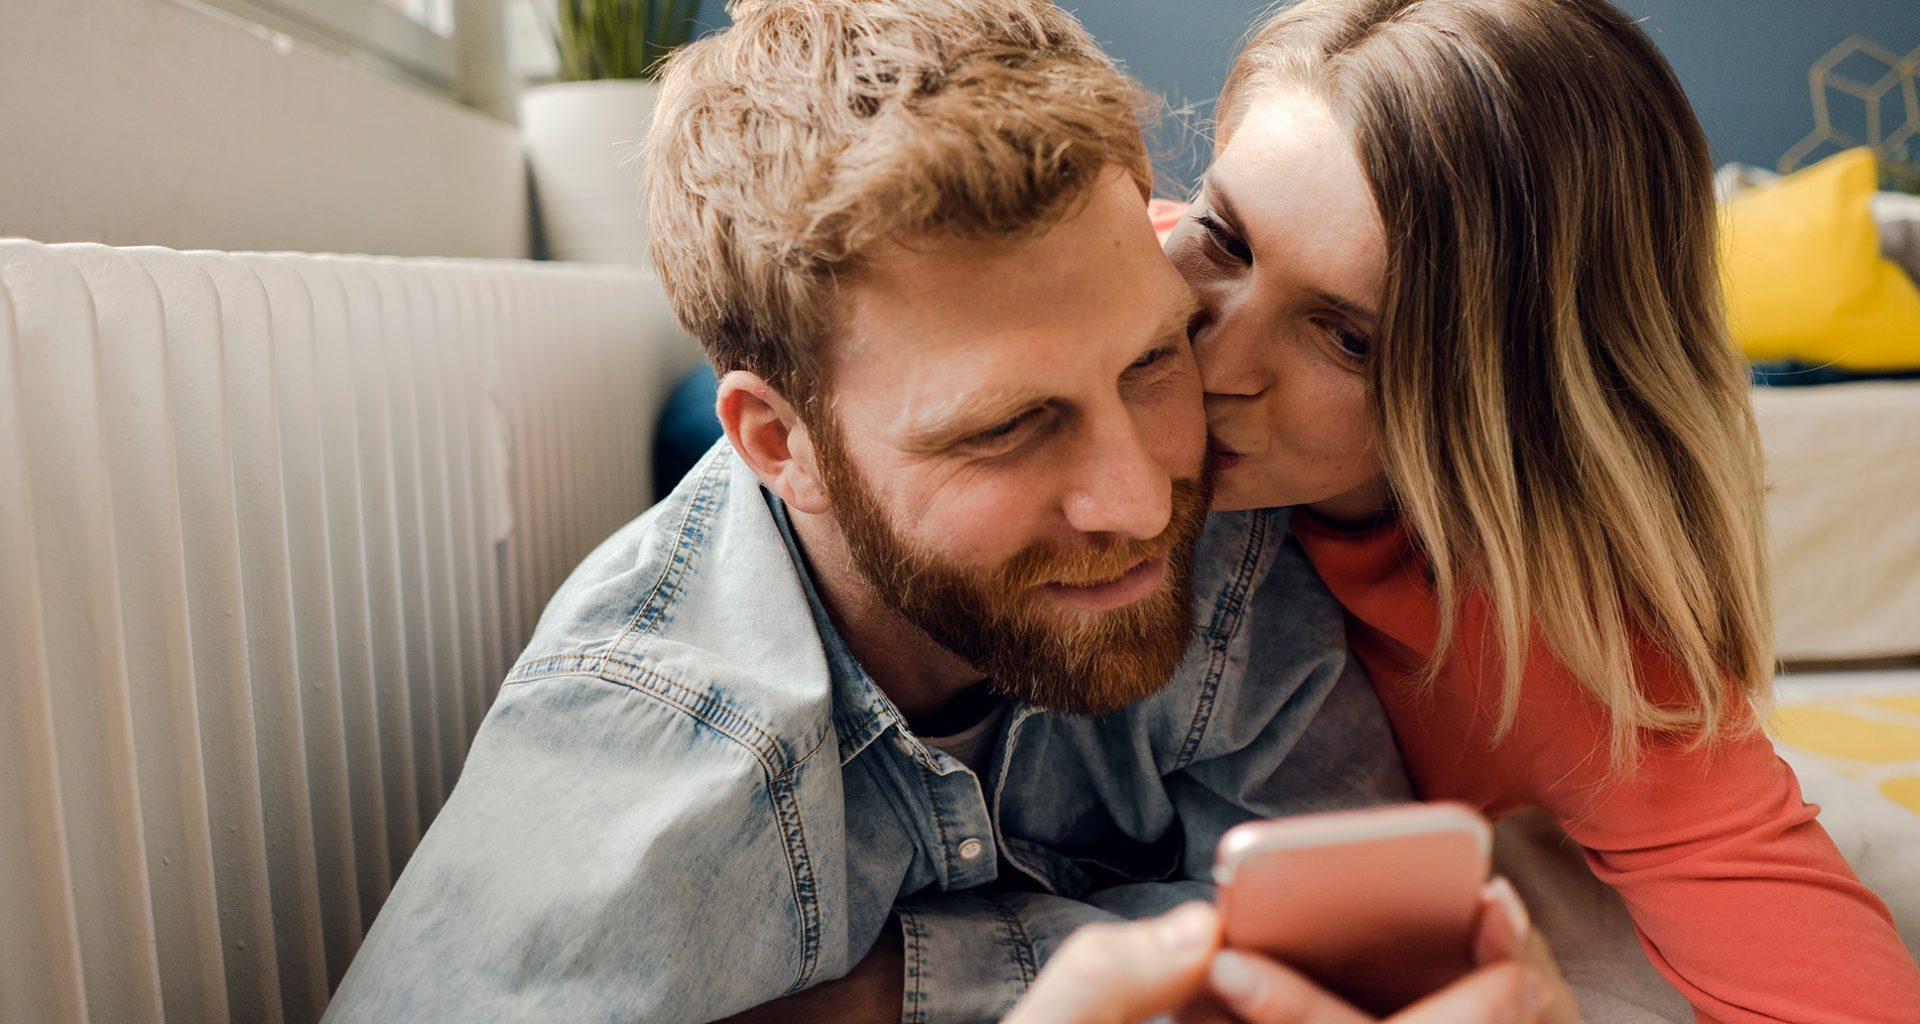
x: 688, y: 427
x: 1789, y: 374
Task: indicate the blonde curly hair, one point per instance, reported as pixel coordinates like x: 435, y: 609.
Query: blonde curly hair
x: 786, y: 146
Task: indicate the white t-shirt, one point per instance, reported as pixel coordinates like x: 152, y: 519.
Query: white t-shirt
x: 973, y: 747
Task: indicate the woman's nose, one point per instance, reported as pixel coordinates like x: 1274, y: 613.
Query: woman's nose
x: 1227, y: 352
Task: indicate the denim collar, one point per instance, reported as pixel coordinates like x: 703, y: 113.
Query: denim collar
x: 862, y: 711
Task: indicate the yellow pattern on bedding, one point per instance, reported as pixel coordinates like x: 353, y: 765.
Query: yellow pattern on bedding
x: 1870, y: 735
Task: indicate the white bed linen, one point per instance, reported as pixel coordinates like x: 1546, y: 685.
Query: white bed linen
x: 1843, y: 475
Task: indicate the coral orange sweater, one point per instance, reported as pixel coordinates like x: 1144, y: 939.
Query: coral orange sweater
x: 1738, y: 895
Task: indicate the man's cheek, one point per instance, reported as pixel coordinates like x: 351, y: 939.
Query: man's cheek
x: 1175, y: 424
x: 984, y: 523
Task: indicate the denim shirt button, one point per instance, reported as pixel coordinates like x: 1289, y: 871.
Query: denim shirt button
x: 972, y: 849
x: 903, y: 744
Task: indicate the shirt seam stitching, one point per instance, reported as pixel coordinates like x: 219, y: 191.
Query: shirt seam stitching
x: 914, y: 936
x: 702, y: 707
x: 793, y: 834
x: 780, y: 792
x: 1227, y: 613
x: 1024, y: 956
x: 679, y: 561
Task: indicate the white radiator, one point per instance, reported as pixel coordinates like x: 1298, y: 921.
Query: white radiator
x: 272, y: 528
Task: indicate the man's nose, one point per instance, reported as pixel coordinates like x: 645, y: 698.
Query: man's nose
x: 1122, y: 488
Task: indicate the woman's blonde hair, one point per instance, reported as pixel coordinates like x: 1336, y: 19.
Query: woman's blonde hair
x: 1562, y: 417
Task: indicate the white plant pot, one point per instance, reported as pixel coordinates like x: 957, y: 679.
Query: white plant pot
x: 582, y: 142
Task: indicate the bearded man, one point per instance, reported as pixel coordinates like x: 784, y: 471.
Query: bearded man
x: 937, y: 656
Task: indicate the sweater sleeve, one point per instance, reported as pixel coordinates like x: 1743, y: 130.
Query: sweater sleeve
x: 1738, y: 895
x: 1165, y: 215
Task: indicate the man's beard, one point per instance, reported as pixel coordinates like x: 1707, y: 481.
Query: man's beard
x: 1033, y: 649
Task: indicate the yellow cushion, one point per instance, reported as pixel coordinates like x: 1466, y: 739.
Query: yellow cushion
x: 1804, y: 276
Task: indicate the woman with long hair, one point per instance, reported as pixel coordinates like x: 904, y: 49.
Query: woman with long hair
x: 1460, y: 304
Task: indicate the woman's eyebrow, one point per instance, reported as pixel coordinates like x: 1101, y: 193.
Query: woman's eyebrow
x: 1222, y: 204
x: 1357, y: 310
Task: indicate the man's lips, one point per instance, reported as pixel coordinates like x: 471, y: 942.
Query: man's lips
x: 1125, y: 589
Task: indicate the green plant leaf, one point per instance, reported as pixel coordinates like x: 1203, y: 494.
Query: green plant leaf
x: 619, y: 38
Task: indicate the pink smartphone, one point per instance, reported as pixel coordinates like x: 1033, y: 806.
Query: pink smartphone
x: 1377, y: 905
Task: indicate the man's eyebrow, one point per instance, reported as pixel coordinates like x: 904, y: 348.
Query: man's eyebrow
x: 945, y: 423
x: 940, y: 425
x: 1176, y: 321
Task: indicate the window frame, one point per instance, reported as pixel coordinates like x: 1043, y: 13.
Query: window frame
x: 366, y: 29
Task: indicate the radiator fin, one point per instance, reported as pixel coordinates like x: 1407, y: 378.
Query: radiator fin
x: 273, y: 526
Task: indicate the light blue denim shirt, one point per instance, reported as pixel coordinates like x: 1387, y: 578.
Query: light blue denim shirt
x: 689, y: 799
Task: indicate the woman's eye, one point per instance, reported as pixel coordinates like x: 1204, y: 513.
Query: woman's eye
x: 1227, y: 241
x: 1351, y: 342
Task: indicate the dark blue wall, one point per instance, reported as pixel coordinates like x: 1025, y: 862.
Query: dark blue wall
x: 1743, y: 62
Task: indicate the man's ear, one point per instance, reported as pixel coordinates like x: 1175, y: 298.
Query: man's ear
x: 764, y: 428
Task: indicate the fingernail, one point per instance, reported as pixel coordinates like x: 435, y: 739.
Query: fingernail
x: 1236, y: 980
x: 1188, y: 927
x: 1504, y: 893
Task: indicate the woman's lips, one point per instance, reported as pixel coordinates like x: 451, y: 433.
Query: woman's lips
x: 1125, y: 589
x: 1221, y: 458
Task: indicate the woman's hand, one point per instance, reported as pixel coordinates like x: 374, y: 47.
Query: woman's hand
x: 1121, y: 973
x: 1517, y: 983
x: 1173, y: 965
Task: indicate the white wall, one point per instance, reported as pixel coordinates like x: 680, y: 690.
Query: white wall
x: 152, y: 122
